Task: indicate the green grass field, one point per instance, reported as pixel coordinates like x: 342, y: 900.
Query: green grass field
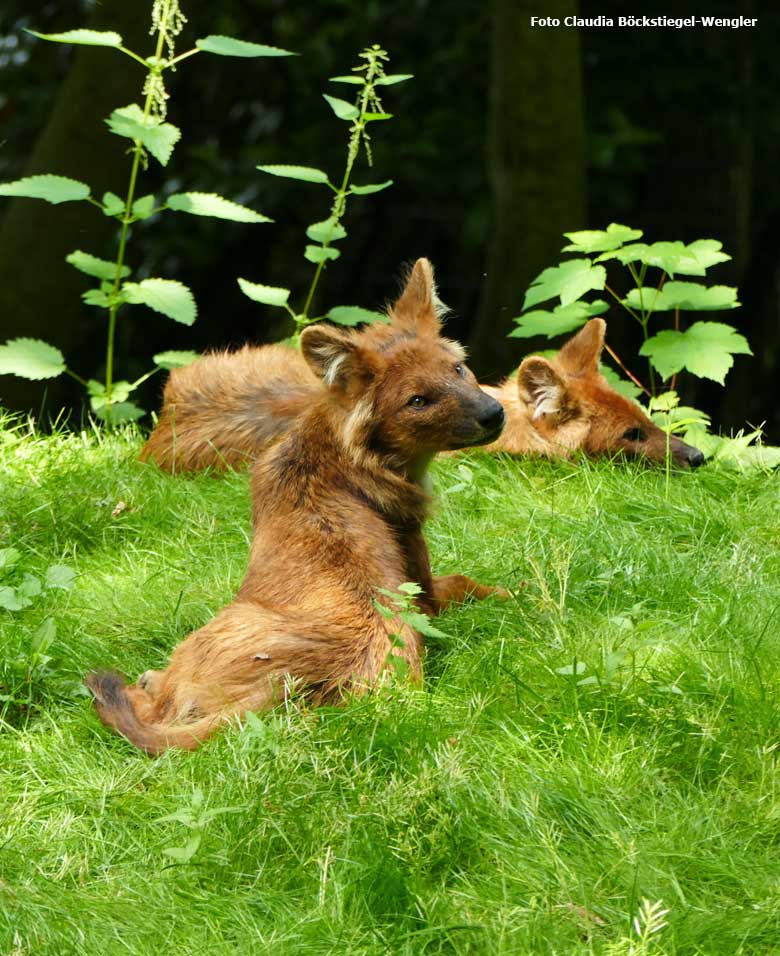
x: 605, y: 741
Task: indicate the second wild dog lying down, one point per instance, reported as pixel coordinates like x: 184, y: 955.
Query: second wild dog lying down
x: 338, y: 509
x: 225, y: 408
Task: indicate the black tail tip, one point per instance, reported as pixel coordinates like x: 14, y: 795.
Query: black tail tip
x: 107, y: 687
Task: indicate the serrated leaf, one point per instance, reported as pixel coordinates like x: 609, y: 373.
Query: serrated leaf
x: 9, y: 557
x: 672, y: 257
x: 43, y: 636
x: 175, y: 359
x: 320, y: 254
x: 632, y: 253
x: 569, y: 281
x: 373, y: 188
x: 562, y: 319
x: 707, y: 252
x: 143, y: 207
x: 96, y: 297
x: 31, y: 358
x: 118, y: 412
x: 210, y: 204
x: 355, y: 80
x: 622, y: 386
x: 588, y: 241
x: 183, y: 854
x: 113, y: 205
x: 684, y: 295
x: 159, y: 138
x: 30, y: 586
x: 166, y: 296
x: 326, y: 231
x: 51, y: 188
x: 83, y: 37
x: 306, y: 174
x: 265, y: 294
x: 372, y: 117
x: 393, y: 78
x: 354, y: 315
x: 342, y: 109
x: 60, y: 576
x: 9, y: 600
x: 98, y: 397
x: 705, y: 349
x: 229, y: 46
x: 92, y: 266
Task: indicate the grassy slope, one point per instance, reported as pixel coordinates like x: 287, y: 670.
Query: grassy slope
x: 489, y: 812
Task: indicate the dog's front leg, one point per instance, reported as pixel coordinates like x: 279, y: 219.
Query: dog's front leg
x: 455, y: 588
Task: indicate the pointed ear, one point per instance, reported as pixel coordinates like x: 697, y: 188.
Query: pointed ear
x: 335, y: 357
x: 419, y: 306
x: 580, y: 355
x: 541, y: 386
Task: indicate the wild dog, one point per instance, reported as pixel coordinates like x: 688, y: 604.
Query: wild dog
x: 224, y: 409
x: 338, y: 508
x: 558, y: 406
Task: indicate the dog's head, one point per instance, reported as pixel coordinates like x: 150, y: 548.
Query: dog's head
x: 574, y: 406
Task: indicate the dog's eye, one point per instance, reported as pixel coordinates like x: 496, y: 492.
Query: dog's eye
x: 460, y: 370
x: 418, y: 401
x: 634, y: 434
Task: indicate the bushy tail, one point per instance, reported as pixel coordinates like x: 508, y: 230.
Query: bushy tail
x: 115, y: 707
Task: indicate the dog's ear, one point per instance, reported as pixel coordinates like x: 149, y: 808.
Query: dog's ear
x: 541, y: 386
x: 336, y: 358
x: 418, y: 307
x: 580, y: 355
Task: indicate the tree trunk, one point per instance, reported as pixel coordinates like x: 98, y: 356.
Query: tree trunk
x: 39, y: 291
x: 536, y: 161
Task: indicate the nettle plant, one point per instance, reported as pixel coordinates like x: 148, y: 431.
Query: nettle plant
x: 151, y: 136
x: 660, y: 302
x: 365, y: 110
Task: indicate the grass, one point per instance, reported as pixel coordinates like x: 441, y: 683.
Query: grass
x: 609, y: 737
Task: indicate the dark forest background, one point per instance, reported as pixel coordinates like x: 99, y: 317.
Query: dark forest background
x: 506, y: 137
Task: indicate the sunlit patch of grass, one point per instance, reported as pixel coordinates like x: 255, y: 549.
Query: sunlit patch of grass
x: 605, y: 739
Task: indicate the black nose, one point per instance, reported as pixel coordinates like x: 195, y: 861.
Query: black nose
x: 695, y: 458
x: 492, y: 417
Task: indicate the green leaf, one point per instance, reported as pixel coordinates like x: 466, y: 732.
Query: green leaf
x: 705, y: 349
x: 265, y: 294
x: 599, y: 240
x: 43, y: 636
x: 707, y: 253
x: 371, y: 117
x: 326, y: 231
x: 60, y: 576
x: 99, y: 398
x: 158, y: 137
x: 92, y: 266
x: 9, y: 557
x: 569, y: 670
x: 622, y: 386
x: 563, y: 318
x: 684, y: 295
x: 672, y: 257
x: 632, y: 253
x: 143, y: 207
x: 54, y: 189
x: 31, y: 358
x: 175, y: 359
x: 166, y: 296
x: 8, y: 599
x: 373, y: 188
x: 84, y: 37
x: 210, y: 204
x: 393, y: 78
x: 183, y: 854
x: 113, y: 205
x: 569, y: 281
x: 229, y: 46
x: 307, y: 174
x: 355, y: 80
x: 342, y: 109
x: 118, y: 412
x: 354, y: 315
x: 320, y: 254
x: 97, y: 297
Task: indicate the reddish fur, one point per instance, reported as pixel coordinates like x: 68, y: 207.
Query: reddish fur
x: 224, y: 409
x: 338, y: 508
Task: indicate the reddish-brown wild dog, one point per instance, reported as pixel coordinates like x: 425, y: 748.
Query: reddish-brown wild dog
x: 338, y: 508
x: 224, y: 409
